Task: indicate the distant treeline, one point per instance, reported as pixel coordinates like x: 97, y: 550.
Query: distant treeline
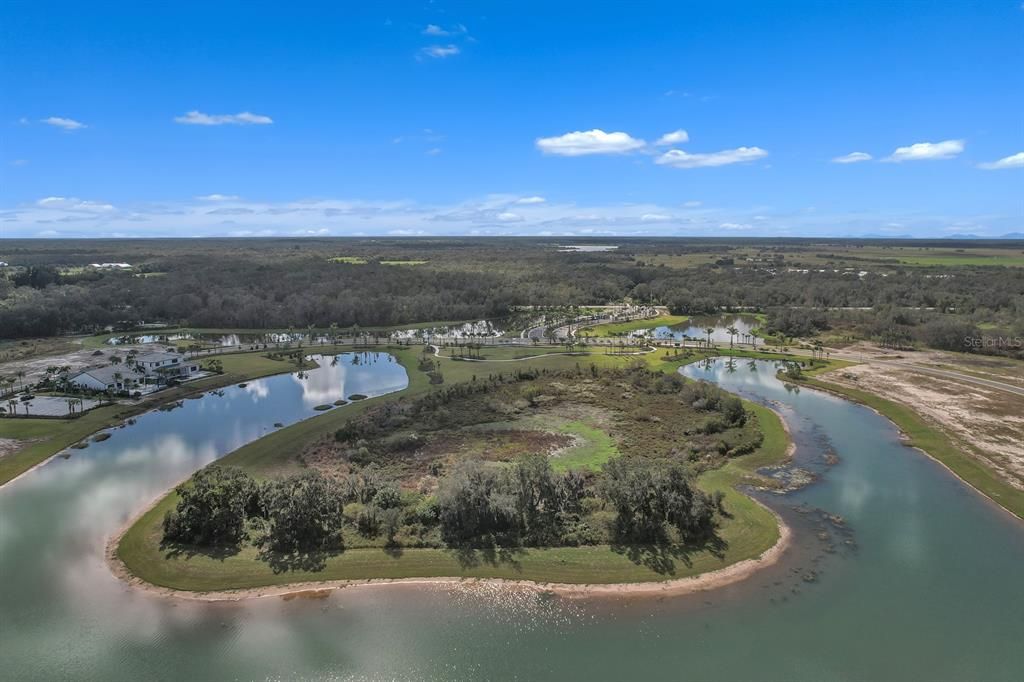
x: 281, y: 283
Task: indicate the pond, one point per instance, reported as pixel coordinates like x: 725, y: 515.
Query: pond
x: 920, y: 578
x: 696, y: 328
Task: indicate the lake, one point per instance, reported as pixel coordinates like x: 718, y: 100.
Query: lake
x: 920, y: 578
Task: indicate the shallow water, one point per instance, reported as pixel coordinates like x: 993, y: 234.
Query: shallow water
x: 921, y: 580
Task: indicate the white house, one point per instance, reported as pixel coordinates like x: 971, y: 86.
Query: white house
x: 147, y: 369
x: 166, y: 365
x: 112, y: 378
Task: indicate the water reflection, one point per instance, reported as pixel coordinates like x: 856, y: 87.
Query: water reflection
x: 696, y: 329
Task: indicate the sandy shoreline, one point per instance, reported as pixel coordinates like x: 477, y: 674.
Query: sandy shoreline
x: 711, y: 580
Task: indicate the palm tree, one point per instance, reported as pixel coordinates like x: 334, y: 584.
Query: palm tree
x: 21, y: 378
x: 733, y: 331
x: 709, y: 331
x: 71, y: 405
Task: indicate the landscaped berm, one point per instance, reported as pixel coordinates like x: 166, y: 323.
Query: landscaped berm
x: 580, y: 475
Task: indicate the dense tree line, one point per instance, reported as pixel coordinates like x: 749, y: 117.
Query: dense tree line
x: 476, y: 505
x: 281, y: 283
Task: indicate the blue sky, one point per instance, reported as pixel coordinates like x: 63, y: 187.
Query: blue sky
x: 715, y: 118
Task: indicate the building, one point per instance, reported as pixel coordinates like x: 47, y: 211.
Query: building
x: 166, y: 365
x: 149, y: 369
x: 112, y: 378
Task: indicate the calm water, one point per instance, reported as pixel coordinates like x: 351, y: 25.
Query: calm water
x: 694, y: 328
x: 923, y: 580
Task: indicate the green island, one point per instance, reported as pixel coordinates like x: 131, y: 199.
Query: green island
x: 524, y: 470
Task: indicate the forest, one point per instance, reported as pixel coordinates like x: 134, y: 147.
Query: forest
x: 49, y: 288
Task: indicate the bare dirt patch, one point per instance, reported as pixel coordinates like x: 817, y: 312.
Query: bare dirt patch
x: 8, y: 446
x: 988, y: 422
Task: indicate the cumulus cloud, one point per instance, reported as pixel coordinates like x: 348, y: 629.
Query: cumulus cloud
x: 927, y: 151
x: 655, y: 218
x: 440, y: 51
x: 596, y: 141
x: 531, y: 200
x: 198, y: 118
x: 65, y: 123
x: 680, y: 159
x: 1012, y: 161
x: 218, y: 197
x: 675, y: 137
x: 852, y: 157
x: 736, y: 226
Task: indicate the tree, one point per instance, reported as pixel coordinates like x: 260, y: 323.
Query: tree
x: 709, y: 331
x: 650, y: 496
x: 304, y: 511
x: 733, y: 331
x: 211, y: 508
x: 472, y: 506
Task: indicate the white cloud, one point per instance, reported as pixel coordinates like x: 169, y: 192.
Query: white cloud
x: 198, y: 118
x: 65, y: 123
x: 435, y: 30
x: 852, y: 157
x: 218, y: 197
x: 19, y: 162
x: 440, y: 51
x: 927, y: 151
x: 1012, y: 161
x: 692, y: 204
x: 681, y: 159
x: 434, y: 151
x: 530, y: 200
x: 581, y: 143
x: 675, y: 137
x: 493, y: 214
x: 73, y: 204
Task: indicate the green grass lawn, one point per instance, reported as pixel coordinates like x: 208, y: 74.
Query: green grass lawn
x: 596, y: 449
x: 624, y: 328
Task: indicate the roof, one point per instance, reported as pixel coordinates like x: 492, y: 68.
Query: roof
x: 158, y: 356
x: 106, y: 374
